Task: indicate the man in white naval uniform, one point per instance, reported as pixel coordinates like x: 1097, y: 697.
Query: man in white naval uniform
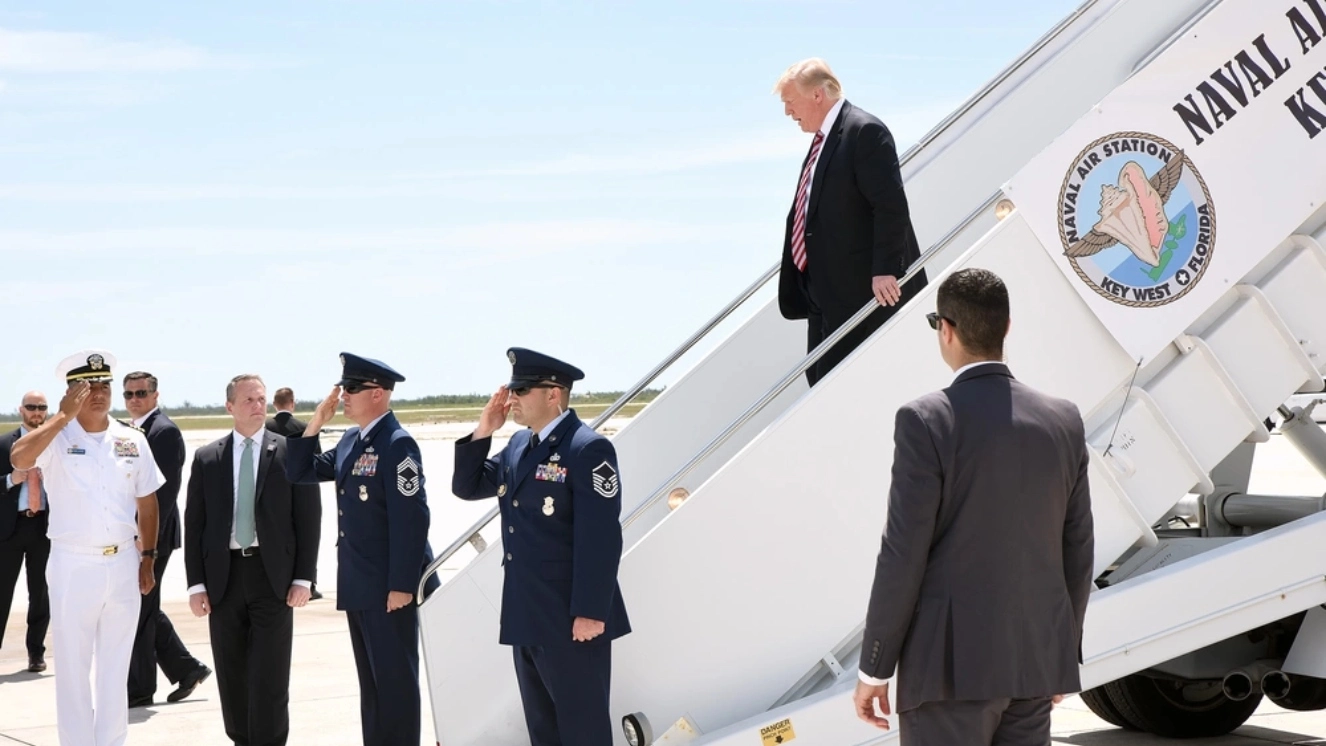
x: 101, y: 482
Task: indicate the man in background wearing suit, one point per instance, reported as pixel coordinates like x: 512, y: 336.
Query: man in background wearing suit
x: 156, y: 642
x: 23, y: 521
x: 284, y: 422
x: 986, y: 562
x: 849, y: 234
x: 250, y: 551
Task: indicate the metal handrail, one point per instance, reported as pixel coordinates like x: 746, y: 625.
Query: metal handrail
x: 473, y: 533
x: 810, y: 359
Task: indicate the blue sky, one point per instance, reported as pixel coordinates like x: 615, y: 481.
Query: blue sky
x: 209, y: 189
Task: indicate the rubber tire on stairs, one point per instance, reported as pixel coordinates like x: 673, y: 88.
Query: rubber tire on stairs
x: 1153, y: 706
x: 1098, y: 701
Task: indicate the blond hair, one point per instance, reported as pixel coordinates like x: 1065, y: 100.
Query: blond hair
x: 808, y: 75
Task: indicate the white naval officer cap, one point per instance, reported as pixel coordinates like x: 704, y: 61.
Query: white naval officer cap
x: 93, y: 366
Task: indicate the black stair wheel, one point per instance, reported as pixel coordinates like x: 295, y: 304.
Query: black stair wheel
x: 1179, y: 709
x: 1099, y: 702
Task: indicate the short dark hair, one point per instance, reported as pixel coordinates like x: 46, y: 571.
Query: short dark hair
x: 975, y: 302
x: 237, y: 380
x: 141, y: 375
x: 284, y: 397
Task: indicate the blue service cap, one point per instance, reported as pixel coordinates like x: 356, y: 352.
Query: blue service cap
x: 356, y: 369
x: 530, y: 368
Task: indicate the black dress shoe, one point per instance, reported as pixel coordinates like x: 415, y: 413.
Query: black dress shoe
x: 143, y: 701
x: 189, y: 683
x: 36, y: 663
x: 314, y: 594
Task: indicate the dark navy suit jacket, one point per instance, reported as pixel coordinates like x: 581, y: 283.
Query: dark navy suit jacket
x: 382, y: 511
x: 561, y: 530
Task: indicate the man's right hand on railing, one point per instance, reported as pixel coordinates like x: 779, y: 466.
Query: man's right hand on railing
x: 494, y: 414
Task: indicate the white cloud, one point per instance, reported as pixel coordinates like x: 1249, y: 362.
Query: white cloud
x: 67, y: 52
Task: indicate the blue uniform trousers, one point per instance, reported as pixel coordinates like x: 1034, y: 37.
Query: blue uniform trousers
x: 387, y: 658
x: 565, y: 690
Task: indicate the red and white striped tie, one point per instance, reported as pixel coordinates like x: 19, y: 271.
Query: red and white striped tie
x: 803, y: 192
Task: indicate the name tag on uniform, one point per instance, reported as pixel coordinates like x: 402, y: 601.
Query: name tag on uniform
x: 365, y: 466
x: 125, y: 448
x: 550, y: 473
x: 75, y: 450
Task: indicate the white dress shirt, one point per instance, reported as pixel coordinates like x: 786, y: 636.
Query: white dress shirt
x: 236, y: 460
x: 96, y: 480
x: 956, y: 375
x: 138, y: 421
x: 829, y: 120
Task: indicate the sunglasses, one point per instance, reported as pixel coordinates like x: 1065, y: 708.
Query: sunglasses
x: 141, y: 394
x: 522, y: 390
x: 35, y: 407
x: 934, y: 319
x: 355, y: 387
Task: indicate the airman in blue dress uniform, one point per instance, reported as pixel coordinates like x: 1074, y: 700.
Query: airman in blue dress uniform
x: 560, y: 497
x: 382, y: 548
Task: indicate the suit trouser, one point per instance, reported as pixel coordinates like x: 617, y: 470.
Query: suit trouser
x: 825, y: 316
x: 564, y: 690
x: 252, y: 633
x: 94, y: 612
x: 991, y: 722
x: 386, y: 650
x: 156, y: 642
x: 28, y: 541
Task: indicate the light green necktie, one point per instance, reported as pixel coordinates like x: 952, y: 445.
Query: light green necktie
x: 245, y: 531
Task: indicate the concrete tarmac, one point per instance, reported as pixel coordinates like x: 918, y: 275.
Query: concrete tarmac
x: 324, y: 692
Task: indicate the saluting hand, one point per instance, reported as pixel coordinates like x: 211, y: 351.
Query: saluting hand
x: 326, y: 410
x: 72, y: 403
x: 494, y: 414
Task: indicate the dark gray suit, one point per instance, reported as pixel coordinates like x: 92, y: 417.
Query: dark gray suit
x: 985, y: 566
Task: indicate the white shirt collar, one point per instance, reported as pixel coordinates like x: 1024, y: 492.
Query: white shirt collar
x: 958, y: 373
x: 364, y: 431
x: 548, y: 428
x: 239, y: 439
x: 831, y: 117
x: 138, y: 421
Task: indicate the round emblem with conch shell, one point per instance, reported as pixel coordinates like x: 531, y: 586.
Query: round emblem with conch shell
x: 363, y: 492
x: 511, y: 356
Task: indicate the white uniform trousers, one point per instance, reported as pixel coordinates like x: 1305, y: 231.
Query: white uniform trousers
x: 94, y: 616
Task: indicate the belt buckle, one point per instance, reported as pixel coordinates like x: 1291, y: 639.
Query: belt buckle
x: 108, y: 551
x: 247, y: 551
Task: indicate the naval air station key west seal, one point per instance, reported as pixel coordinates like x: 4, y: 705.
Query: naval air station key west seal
x: 1136, y: 220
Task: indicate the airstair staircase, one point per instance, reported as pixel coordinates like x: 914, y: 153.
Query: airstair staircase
x: 747, y: 601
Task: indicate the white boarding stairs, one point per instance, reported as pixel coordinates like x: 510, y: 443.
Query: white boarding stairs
x: 764, y: 571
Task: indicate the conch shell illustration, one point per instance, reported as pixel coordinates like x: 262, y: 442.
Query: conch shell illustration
x: 1133, y: 213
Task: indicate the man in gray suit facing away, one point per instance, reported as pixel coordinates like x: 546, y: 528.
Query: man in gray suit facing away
x: 985, y: 566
